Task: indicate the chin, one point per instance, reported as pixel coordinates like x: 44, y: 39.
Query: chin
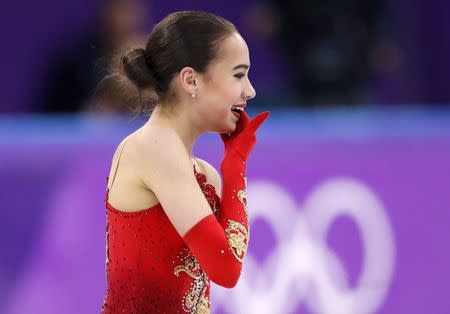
x: 229, y: 128
x: 232, y: 127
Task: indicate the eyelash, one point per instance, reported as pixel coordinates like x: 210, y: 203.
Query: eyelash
x: 240, y: 75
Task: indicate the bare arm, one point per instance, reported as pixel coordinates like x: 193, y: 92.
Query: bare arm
x: 168, y: 172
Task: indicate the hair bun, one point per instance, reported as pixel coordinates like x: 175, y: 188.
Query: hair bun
x: 136, y: 68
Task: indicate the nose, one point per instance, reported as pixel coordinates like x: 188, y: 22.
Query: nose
x: 249, y: 91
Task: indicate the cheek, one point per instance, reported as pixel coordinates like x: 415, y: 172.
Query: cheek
x: 217, y: 116
x: 217, y: 105
x: 226, y: 91
x: 234, y: 92
x: 219, y: 112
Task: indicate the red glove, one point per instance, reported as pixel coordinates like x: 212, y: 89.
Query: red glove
x: 220, y: 254
x: 233, y: 215
x: 243, y: 138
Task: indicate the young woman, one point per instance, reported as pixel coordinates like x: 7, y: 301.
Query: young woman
x: 168, y: 231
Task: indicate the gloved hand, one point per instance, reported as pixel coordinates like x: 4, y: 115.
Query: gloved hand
x: 233, y: 214
x: 243, y: 138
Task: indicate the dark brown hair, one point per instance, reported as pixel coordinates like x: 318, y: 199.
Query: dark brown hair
x: 186, y: 38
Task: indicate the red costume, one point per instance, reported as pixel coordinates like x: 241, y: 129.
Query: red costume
x: 150, y: 268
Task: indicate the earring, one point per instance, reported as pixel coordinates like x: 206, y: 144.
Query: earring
x: 194, y: 95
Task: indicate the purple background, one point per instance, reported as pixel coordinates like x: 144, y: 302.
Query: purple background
x: 35, y: 33
x: 53, y: 175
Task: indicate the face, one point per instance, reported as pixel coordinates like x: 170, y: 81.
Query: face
x: 224, y: 85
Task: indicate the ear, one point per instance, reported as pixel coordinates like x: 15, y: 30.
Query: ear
x: 188, y: 80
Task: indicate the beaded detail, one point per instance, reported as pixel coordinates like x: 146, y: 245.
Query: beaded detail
x: 242, y: 196
x: 238, y: 238
x: 195, y: 300
x: 210, y: 192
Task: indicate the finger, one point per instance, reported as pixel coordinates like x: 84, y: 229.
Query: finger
x: 237, y: 130
x: 241, y: 124
x: 244, y: 119
x: 254, y: 124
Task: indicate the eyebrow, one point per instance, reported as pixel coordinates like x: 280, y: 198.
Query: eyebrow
x: 244, y: 66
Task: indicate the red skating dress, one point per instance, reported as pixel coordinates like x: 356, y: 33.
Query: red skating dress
x: 149, y: 268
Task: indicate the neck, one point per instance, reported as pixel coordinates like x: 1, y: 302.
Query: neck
x: 183, y: 123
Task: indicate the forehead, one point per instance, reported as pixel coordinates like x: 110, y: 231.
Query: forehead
x: 233, y: 51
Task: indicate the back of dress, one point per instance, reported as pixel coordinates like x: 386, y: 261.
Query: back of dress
x: 149, y: 268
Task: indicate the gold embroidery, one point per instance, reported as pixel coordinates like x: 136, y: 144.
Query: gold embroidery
x: 190, y: 298
x: 242, y: 196
x: 195, y: 300
x: 204, y: 307
x: 238, y: 238
x: 190, y: 267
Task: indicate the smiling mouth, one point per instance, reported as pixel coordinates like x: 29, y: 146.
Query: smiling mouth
x: 237, y: 110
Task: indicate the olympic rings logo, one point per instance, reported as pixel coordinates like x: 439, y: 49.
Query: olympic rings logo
x: 302, y: 269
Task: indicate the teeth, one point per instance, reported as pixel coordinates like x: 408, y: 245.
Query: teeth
x: 238, y: 108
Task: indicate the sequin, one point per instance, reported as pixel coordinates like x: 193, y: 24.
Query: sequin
x: 210, y: 192
x: 195, y: 299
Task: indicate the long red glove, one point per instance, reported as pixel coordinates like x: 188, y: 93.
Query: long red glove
x: 234, y: 217
x: 221, y: 244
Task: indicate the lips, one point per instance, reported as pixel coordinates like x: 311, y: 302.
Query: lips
x: 238, y: 108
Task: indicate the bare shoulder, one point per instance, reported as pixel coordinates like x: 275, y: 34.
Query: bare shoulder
x: 212, y: 174
x: 165, y: 168
x: 158, y: 149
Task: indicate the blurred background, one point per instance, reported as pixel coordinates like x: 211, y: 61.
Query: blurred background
x: 348, y: 186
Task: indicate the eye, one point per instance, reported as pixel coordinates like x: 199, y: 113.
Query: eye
x: 239, y: 75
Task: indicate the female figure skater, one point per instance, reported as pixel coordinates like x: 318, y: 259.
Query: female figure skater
x: 168, y: 231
